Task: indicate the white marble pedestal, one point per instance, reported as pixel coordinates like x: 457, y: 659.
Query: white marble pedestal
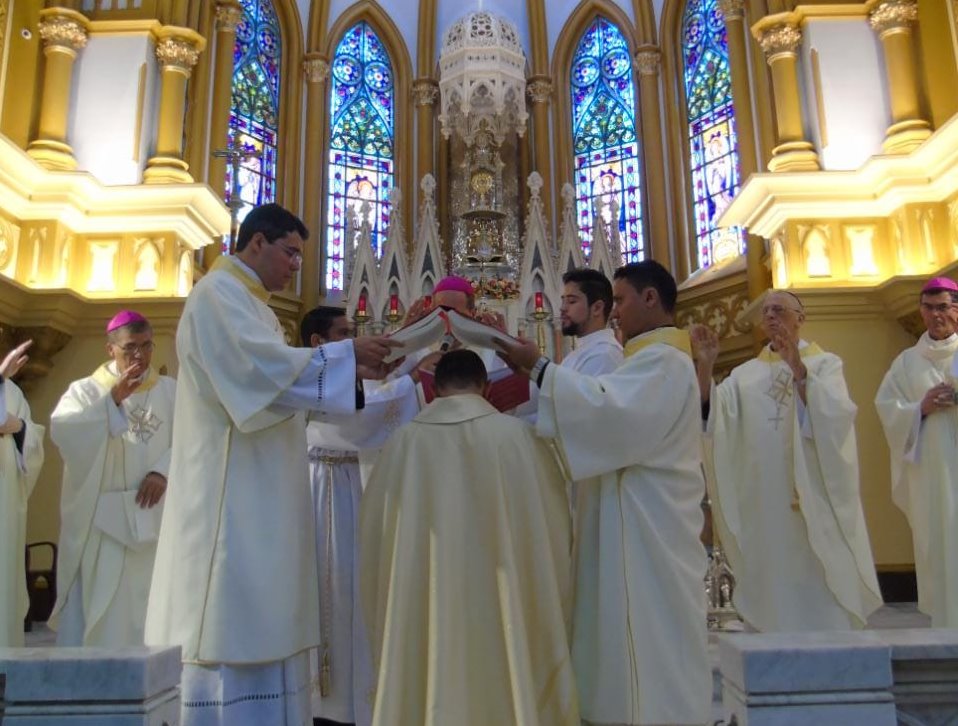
x: 799, y: 679
x: 90, y: 686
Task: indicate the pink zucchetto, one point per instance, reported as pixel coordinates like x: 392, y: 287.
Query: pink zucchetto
x: 940, y: 283
x: 124, y: 317
x: 454, y: 284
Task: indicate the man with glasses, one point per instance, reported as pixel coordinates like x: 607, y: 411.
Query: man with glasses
x: 114, y: 431
x: 916, y: 404
x: 784, y: 479
x: 235, y: 583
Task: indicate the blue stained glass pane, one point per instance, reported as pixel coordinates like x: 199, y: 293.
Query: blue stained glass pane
x: 713, y: 143
x: 254, y: 114
x: 361, y: 163
x: 604, y: 138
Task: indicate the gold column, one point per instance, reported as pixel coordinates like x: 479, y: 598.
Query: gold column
x: 647, y: 64
x: 64, y: 32
x: 539, y: 89
x: 316, y: 71
x: 734, y: 13
x: 793, y: 152
x: 893, y: 21
x: 229, y: 13
x: 425, y: 91
x: 177, y: 51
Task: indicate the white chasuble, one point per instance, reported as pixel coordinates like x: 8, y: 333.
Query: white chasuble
x: 924, y: 466
x: 235, y: 577
x: 107, y: 542
x: 631, y: 439
x: 19, y: 469
x: 342, y: 672
x: 785, y: 496
x: 465, y: 573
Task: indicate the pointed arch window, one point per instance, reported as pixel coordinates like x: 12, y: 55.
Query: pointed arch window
x: 254, y: 106
x: 714, y: 161
x: 361, y: 149
x: 604, y: 141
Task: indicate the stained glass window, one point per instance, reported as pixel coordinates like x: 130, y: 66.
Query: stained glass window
x: 603, y: 135
x: 254, y: 108
x: 714, y: 156
x: 361, y: 160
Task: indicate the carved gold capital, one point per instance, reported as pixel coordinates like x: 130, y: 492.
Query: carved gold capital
x: 63, y: 28
x: 781, y: 39
x: 229, y: 14
x: 647, y: 61
x: 893, y: 15
x: 425, y: 92
x: 732, y: 9
x: 316, y: 69
x: 539, y: 89
x: 177, y: 53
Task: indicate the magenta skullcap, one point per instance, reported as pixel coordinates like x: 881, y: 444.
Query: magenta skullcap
x: 124, y: 317
x: 940, y: 283
x: 454, y: 284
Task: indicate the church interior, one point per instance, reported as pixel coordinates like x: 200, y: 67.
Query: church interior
x: 744, y: 144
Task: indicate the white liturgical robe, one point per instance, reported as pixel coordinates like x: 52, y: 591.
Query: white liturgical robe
x: 465, y: 569
x: 924, y: 466
x: 343, y: 677
x: 785, y: 496
x: 107, y: 542
x: 19, y: 467
x: 235, y: 583
x: 632, y: 442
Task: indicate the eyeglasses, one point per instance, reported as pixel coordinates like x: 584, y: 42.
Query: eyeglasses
x: 131, y: 349
x: 778, y: 310
x: 293, y: 254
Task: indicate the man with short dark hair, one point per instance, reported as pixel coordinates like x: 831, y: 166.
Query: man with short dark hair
x: 785, y: 494
x: 584, y: 314
x: 342, y: 671
x: 465, y: 538
x: 916, y: 404
x: 114, y: 430
x: 235, y: 582
x: 632, y: 440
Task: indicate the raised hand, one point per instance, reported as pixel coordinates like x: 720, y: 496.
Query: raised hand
x: 496, y: 320
x: 129, y: 380
x: 151, y: 490
x: 520, y: 355
x: 15, y: 360
x: 705, y: 344
x: 787, y: 347
x: 417, y: 310
x: 370, y: 351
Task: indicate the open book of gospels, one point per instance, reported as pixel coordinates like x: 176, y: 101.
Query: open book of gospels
x: 506, y: 391
x: 445, y: 327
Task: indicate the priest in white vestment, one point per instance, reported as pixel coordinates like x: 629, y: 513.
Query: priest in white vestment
x: 342, y: 673
x: 235, y: 582
x: 114, y: 431
x: 631, y: 439
x: 21, y: 456
x: 465, y: 566
x: 784, y: 480
x: 916, y: 404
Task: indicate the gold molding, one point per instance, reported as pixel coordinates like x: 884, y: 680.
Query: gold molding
x: 890, y: 16
x: 140, y: 105
x: 819, y: 97
x: 144, y: 26
x: 778, y: 39
x: 60, y: 27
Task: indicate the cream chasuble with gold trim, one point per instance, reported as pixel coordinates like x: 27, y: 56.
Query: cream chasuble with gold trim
x: 785, y: 495
x: 632, y: 442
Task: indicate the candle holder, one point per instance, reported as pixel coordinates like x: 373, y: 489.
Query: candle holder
x: 540, y: 317
x: 360, y: 320
x: 394, y: 318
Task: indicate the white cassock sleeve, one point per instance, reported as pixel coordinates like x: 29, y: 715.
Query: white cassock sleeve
x: 900, y: 417
x: 616, y: 420
x: 305, y: 391
x: 389, y: 405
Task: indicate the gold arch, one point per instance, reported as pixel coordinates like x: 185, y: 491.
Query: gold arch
x: 372, y: 13
x: 577, y: 23
x: 290, y: 105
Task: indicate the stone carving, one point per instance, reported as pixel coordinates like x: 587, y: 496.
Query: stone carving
x: 228, y: 16
x: 316, y: 70
x: 780, y: 39
x: 63, y: 31
x: 893, y: 15
x: 647, y: 61
x: 177, y: 53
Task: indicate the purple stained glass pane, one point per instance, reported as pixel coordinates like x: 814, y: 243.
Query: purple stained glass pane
x: 361, y: 141
x: 604, y: 135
